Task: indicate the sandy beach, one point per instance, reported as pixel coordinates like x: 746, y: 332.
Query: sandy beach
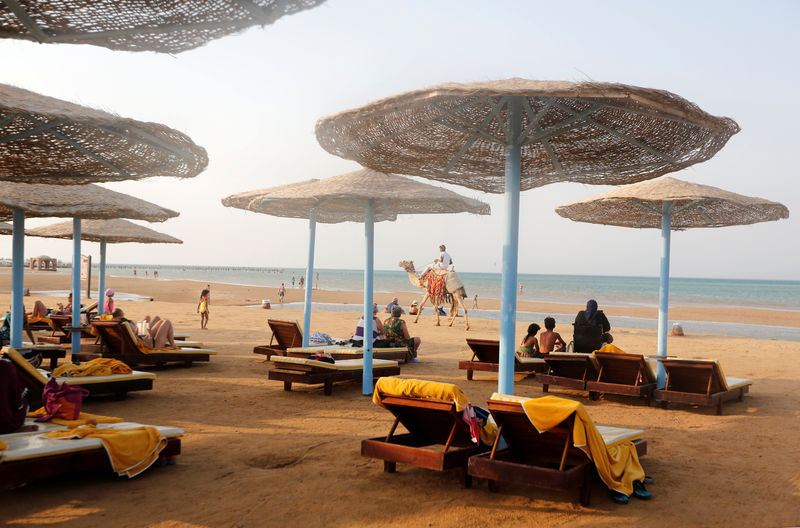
x: 254, y: 455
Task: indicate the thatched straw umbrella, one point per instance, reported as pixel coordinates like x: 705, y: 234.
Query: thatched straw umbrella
x: 164, y: 26
x: 671, y: 204
x: 75, y: 201
x: 516, y: 134
x: 46, y: 140
x: 114, y: 231
x: 6, y: 228
x: 360, y: 196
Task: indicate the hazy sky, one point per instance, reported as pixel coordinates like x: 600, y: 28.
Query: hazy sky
x: 252, y: 101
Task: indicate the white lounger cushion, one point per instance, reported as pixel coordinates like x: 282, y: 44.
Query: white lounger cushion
x: 339, y: 349
x: 23, y: 447
x: 527, y: 360
x: 88, y: 380
x: 342, y: 364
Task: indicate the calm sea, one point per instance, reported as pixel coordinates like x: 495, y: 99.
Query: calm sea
x: 609, y: 291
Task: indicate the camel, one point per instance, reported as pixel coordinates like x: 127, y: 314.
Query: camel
x: 453, y: 288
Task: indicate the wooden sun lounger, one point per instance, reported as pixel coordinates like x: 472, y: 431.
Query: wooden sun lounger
x: 298, y: 370
x: 486, y: 358
x: 118, y: 385
x: 623, y: 374
x: 547, y: 460
x: 568, y: 370
x: 51, y: 352
x: 59, y: 335
x: 345, y: 352
x: 699, y: 382
x: 437, y: 437
x: 31, y: 456
x: 121, y: 343
x: 285, y: 334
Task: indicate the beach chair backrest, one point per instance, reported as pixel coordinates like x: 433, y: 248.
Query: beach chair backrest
x: 59, y: 322
x: 429, y: 419
x: 574, y: 366
x: 29, y: 376
x: 624, y: 369
x: 485, y: 350
x: 286, y: 333
x: 117, y: 337
x: 528, y: 444
x: 697, y: 376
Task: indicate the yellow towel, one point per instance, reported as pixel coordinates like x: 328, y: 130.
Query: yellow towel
x: 414, y: 388
x: 3, y: 446
x: 130, y: 451
x: 617, y: 465
x: 83, y: 418
x: 611, y: 349
x: 95, y: 367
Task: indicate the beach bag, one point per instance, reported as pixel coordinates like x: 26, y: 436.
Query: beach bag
x: 62, y: 401
x: 13, y: 406
x: 326, y: 358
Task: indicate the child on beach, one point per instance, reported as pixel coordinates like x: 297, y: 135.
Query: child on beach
x: 475, y: 301
x: 529, y: 346
x: 108, y: 306
x: 549, y: 340
x: 202, y: 308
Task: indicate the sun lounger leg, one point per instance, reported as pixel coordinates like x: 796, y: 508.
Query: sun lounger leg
x: 545, y: 387
x: 586, y: 490
x: 389, y: 467
x: 664, y: 404
x: 328, y: 386
x: 287, y: 385
x: 469, y: 374
x: 594, y: 396
x: 466, y: 478
x: 741, y: 394
x: 493, y: 486
x: 719, y: 407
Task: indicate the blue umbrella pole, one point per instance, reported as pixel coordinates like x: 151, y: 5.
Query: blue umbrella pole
x: 663, y: 289
x: 76, y: 285
x: 101, y: 288
x: 17, y: 276
x: 369, y: 236
x: 312, y: 228
x: 508, y: 299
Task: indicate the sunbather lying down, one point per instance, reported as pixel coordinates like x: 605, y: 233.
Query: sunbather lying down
x: 39, y: 310
x: 160, y: 333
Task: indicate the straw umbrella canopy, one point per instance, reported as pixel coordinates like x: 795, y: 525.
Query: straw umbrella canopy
x: 360, y: 196
x: 77, y: 202
x: 164, y: 26
x: 114, y: 231
x: 517, y: 134
x: 6, y: 228
x: 671, y: 204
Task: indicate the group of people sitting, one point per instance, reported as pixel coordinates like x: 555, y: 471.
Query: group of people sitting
x: 393, y: 332
x: 591, y: 331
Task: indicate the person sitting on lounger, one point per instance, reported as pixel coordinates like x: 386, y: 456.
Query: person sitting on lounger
x: 65, y: 309
x: 550, y: 340
x: 40, y: 311
x: 397, y: 331
x: 160, y: 333
x: 377, y: 326
x: 592, y: 317
x: 529, y: 346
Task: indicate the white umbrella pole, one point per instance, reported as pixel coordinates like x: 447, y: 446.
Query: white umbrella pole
x: 17, y: 277
x: 369, y: 235
x: 101, y: 294
x: 508, y: 302
x: 312, y: 228
x: 663, y: 289
x: 76, y: 285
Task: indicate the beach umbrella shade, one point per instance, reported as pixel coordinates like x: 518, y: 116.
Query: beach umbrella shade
x: 73, y: 201
x: 47, y: 140
x: 516, y: 134
x: 360, y: 196
x: 671, y: 204
x: 114, y: 231
x: 165, y: 26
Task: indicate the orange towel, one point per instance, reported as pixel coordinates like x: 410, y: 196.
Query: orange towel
x: 130, y: 451
x: 95, y: 367
x: 83, y: 419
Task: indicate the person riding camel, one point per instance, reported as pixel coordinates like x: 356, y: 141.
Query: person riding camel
x: 443, y: 262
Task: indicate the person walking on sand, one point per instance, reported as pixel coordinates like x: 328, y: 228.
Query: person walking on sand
x: 292, y: 281
x: 281, y: 293
x: 475, y: 301
x: 202, y: 308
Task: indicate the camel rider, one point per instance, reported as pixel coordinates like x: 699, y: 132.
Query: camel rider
x: 443, y: 262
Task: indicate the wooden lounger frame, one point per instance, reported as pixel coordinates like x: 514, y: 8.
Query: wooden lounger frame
x: 119, y: 344
x: 290, y: 373
x: 696, y: 383
x: 438, y: 438
x: 285, y: 334
x: 544, y: 460
x: 51, y: 352
x: 377, y: 353
x: 567, y: 370
x: 623, y: 374
x: 16, y: 473
x: 487, y: 353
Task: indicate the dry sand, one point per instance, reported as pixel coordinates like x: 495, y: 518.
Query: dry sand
x: 254, y: 455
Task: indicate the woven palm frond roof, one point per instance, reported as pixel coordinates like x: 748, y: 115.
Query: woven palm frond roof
x: 587, y: 132
x: 167, y: 26
x: 47, y: 140
x: 76, y: 201
x: 114, y: 231
x: 6, y: 228
x: 342, y: 198
x: 693, y: 205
